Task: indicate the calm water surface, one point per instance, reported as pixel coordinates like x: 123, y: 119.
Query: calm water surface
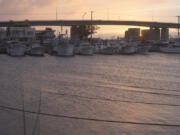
x: 132, y: 95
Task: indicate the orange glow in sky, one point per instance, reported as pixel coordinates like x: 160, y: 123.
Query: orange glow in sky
x: 144, y: 10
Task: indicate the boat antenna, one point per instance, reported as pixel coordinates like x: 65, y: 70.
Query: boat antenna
x: 61, y: 25
x: 91, y: 25
x: 57, y: 19
x: 178, y: 26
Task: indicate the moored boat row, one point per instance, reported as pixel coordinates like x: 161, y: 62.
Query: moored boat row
x: 67, y: 48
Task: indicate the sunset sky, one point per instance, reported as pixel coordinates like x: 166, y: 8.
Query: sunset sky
x: 145, y: 10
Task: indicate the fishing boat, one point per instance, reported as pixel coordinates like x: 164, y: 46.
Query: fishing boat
x: 16, y: 48
x: 130, y: 48
x: 77, y: 49
x: 156, y: 45
x: 170, y: 49
x: 3, y: 48
x: 144, y: 47
x: 85, y: 48
x: 116, y: 45
x: 98, y: 47
x: 48, y: 45
x: 108, y: 51
x: 36, y: 49
x: 63, y: 49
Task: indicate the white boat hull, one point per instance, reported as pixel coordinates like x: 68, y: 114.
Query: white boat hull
x: 37, y: 51
x: 64, y: 50
x: 143, y: 49
x: 77, y: 50
x: 87, y: 51
x: 129, y: 50
x: 170, y: 49
x: 108, y: 51
x: 17, y: 51
x: 96, y: 50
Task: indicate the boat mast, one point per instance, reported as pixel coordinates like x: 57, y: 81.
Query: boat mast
x: 57, y: 20
x: 91, y: 25
x: 178, y: 26
x: 61, y: 25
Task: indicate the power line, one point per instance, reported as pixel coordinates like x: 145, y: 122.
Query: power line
x: 91, y: 119
x: 132, y: 14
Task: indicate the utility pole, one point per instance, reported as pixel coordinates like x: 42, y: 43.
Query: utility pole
x: 178, y: 26
x: 91, y: 25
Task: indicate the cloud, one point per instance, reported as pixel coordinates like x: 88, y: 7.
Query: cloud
x: 21, y: 5
x: 14, y: 6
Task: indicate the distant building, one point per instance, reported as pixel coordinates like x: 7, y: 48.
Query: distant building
x: 151, y: 34
x: 21, y: 33
x: 3, y: 34
x: 48, y: 33
x: 132, y: 34
x: 145, y: 34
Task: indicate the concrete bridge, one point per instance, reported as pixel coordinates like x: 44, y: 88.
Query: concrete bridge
x: 158, y: 30
x: 89, y: 22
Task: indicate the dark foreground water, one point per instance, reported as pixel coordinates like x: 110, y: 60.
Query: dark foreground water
x: 99, y: 95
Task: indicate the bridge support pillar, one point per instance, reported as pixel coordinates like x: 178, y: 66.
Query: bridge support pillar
x: 74, y: 33
x: 165, y: 34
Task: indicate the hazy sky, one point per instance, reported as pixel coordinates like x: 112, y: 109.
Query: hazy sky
x: 156, y: 10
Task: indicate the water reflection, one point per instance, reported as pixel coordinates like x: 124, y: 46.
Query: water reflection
x: 139, y: 89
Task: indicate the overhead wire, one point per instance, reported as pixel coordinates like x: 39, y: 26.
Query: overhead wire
x: 92, y: 119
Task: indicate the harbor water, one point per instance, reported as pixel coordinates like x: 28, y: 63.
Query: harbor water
x: 90, y: 95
